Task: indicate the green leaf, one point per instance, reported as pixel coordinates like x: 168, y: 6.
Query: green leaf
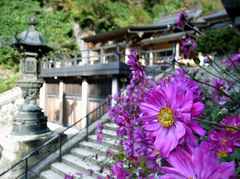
x: 195, y: 73
x: 236, y: 154
x: 228, y: 158
x: 228, y: 69
x: 196, y: 60
x: 236, y: 96
x: 207, y: 127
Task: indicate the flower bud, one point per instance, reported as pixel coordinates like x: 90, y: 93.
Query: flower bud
x: 207, y: 59
x: 224, y: 111
x: 171, y: 59
x: 170, y: 26
x: 189, y: 43
x: 229, y: 26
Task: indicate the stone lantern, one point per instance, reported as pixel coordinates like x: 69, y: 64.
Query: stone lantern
x: 31, y: 45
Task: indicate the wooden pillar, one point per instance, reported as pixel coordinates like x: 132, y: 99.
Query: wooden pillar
x: 43, y: 94
x: 114, y: 89
x: 151, y: 57
x: 177, y: 48
x: 126, y: 54
x: 84, y: 101
x: 61, y: 101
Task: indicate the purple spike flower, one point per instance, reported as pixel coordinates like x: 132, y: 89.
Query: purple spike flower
x: 66, y: 176
x: 99, y: 137
x: 136, y: 65
x: 90, y: 171
x: 118, y: 171
x: 79, y: 174
x: 188, y: 46
x: 181, y: 20
x: 99, y: 127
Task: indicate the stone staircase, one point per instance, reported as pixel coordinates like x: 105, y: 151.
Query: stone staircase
x: 83, y: 157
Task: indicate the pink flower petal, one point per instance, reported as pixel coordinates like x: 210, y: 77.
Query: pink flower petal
x: 197, y: 109
x: 152, y: 127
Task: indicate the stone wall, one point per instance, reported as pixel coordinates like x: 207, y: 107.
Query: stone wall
x: 10, y: 101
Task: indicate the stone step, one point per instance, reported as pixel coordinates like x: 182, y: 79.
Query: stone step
x: 93, y: 147
x: 110, y: 126
x: 108, y: 133
x: 62, y: 169
x: 89, y: 156
x: 50, y: 174
x: 83, y: 165
x: 107, y: 141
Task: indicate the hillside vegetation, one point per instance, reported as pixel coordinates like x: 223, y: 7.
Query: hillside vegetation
x: 55, y: 21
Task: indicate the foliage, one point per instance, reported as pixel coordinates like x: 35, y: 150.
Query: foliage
x: 8, y: 84
x: 105, y: 15
x: 221, y: 36
x: 55, y: 26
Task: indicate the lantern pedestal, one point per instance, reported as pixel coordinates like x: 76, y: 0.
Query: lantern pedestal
x: 30, y: 120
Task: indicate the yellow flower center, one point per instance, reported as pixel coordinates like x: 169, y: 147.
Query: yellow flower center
x: 231, y: 129
x: 165, y: 117
x: 156, y: 152
x: 223, y: 142
x: 222, y: 154
x: 221, y: 88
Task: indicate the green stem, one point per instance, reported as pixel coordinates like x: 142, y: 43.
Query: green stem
x: 224, y: 70
x: 215, y: 124
x: 215, y: 44
x: 213, y: 74
x: 210, y: 86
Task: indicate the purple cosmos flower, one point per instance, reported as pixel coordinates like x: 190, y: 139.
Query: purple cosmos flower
x: 99, y: 127
x: 151, y: 176
x: 224, y: 136
x: 152, y: 163
x: 107, y: 177
x: 136, y: 65
x: 99, y: 178
x: 101, y: 170
x: 217, y: 94
x: 79, y: 174
x: 181, y: 20
x: 141, y: 143
x: 118, y: 171
x: 66, y: 176
x: 234, y: 122
x: 99, y: 137
x: 90, y: 171
x: 235, y: 60
x: 167, y: 114
x: 108, y: 152
x: 117, y: 96
x: 198, y: 163
x: 128, y: 147
x: 188, y: 46
x: 223, y: 149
